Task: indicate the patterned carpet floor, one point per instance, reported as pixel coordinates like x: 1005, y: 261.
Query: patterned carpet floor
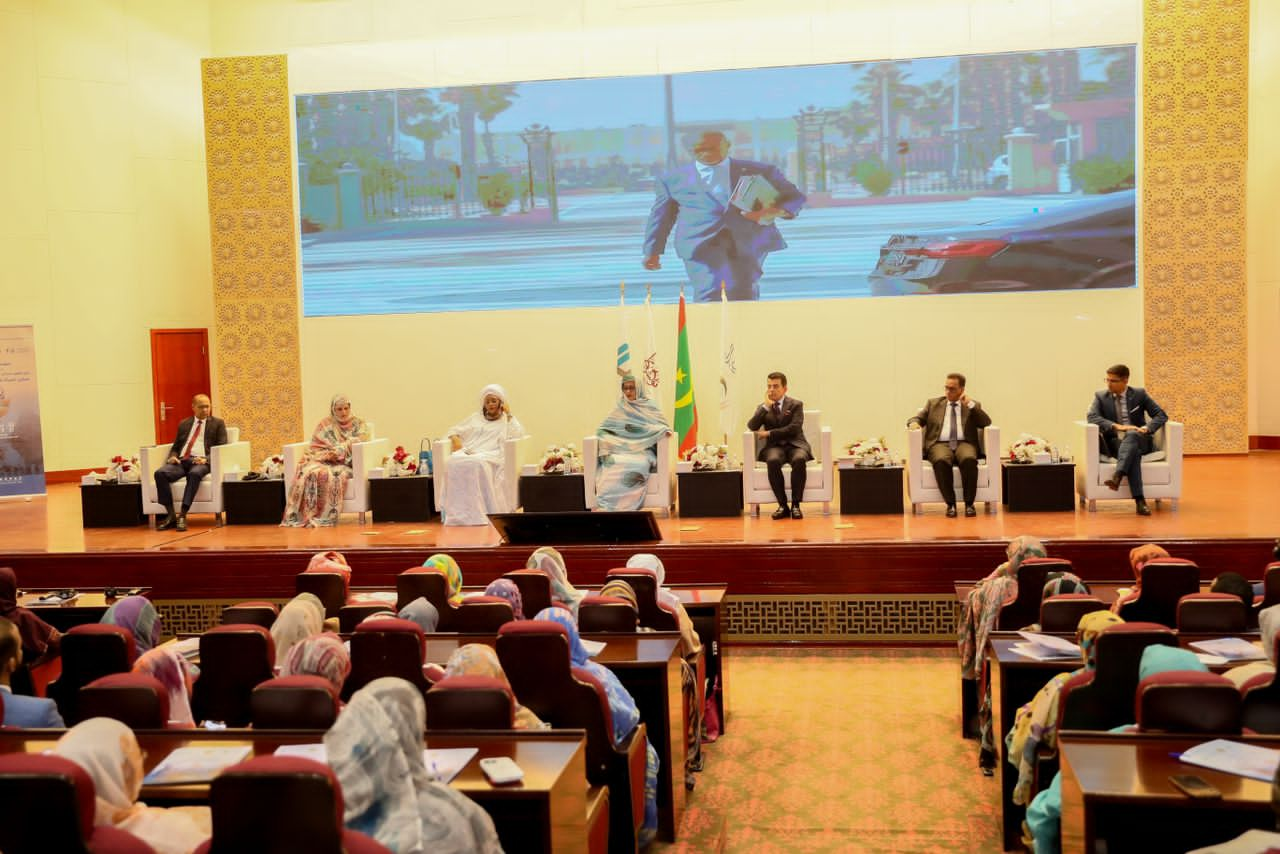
x: 848, y: 750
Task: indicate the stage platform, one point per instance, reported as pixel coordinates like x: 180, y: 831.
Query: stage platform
x: 823, y: 578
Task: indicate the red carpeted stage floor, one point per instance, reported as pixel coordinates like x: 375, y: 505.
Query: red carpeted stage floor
x: 1228, y: 518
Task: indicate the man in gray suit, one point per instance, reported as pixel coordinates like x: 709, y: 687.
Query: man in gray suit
x: 952, y: 437
x: 1121, y: 411
x: 189, y: 458
x: 20, y: 710
x: 717, y: 241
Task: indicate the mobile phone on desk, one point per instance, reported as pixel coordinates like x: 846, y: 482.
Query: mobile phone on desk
x: 501, y: 769
x: 1194, y: 787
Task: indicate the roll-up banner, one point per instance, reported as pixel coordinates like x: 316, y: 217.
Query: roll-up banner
x: 21, y: 451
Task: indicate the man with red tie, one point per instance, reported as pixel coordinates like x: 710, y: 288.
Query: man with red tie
x: 189, y: 458
x: 953, y: 437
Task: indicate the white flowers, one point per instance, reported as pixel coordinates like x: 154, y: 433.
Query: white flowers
x: 870, y: 452
x: 272, y: 468
x: 400, y: 464
x: 124, y: 470
x: 559, y: 459
x: 1031, y: 449
x: 708, y: 457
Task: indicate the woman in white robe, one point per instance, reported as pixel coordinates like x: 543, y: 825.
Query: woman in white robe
x: 476, y: 483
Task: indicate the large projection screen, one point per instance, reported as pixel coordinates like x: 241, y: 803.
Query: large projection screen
x: 981, y: 173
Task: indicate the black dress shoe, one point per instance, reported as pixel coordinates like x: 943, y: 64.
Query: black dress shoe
x: 969, y: 510
x: 169, y: 521
x: 951, y: 511
x: 1112, y: 484
x: 795, y: 512
x: 1143, y: 509
x: 781, y: 513
x: 182, y: 522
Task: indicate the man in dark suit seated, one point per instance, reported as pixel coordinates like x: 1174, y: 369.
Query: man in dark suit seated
x: 1121, y: 411
x: 189, y: 458
x: 952, y: 437
x: 779, y: 421
x: 20, y: 710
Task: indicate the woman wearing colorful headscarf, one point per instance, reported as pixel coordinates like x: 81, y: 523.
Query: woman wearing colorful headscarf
x: 1035, y: 725
x: 477, y: 659
x: 448, y: 567
x: 375, y: 749
x: 622, y: 709
x: 315, y: 500
x: 108, y: 752
x: 1139, y: 557
x: 548, y: 561
x: 505, y: 588
x: 300, y: 618
x: 628, y: 451
x: 323, y: 655
x: 38, y: 637
x: 476, y: 483
x: 616, y: 588
x: 976, y: 622
x: 138, y: 615
x: 175, y: 673
x: 1043, y: 826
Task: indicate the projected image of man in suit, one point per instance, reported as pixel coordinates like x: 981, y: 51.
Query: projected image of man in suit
x: 718, y: 241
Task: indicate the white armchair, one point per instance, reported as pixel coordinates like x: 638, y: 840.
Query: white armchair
x: 1161, y: 469
x: 231, y: 457
x: 659, y: 492
x: 440, y: 452
x: 820, y: 479
x: 922, y: 485
x: 364, y: 457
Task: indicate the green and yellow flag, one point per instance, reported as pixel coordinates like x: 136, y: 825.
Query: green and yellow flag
x: 686, y: 421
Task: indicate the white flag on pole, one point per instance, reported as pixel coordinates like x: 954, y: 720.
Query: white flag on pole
x: 652, y: 379
x: 728, y: 372
x: 624, y: 348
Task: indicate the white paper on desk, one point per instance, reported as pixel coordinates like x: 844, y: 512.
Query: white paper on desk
x: 196, y: 764
x: 1209, y: 660
x: 1232, y: 757
x: 1250, y: 842
x: 1051, y: 643
x: 314, y: 752
x: 1039, y: 653
x: 187, y: 647
x: 55, y: 599
x: 1232, y: 649
x: 445, y: 764
x: 380, y: 596
x: 593, y: 647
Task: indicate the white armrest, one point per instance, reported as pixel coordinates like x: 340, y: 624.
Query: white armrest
x: 364, y: 456
x: 995, y: 477
x: 915, y: 455
x: 151, y: 458
x: 224, y: 458
x: 824, y: 442
x: 292, y: 454
x: 440, y: 451
x: 511, y: 471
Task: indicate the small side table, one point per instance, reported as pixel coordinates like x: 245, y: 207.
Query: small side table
x: 551, y: 493
x: 402, y: 499
x: 111, y: 505
x: 709, y: 493
x: 869, y: 489
x: 1039, y: 487
x: 253, y: 502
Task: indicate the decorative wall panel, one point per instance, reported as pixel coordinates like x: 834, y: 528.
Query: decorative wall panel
x: 840, y: 618
x: 1195, y: 145
x: 249, y: 156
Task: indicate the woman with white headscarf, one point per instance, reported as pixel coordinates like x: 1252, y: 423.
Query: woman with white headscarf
x: 476, y: 484
x: 316, y: 497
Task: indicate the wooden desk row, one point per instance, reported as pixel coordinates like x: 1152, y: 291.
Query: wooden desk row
x: 546, y: 811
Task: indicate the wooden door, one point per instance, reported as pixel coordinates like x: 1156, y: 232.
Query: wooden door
x: 179, y: 371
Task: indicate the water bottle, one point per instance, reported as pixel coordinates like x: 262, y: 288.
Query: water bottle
x: 424, y: 457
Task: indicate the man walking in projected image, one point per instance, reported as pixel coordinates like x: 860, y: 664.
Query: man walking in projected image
x: 723, y: 210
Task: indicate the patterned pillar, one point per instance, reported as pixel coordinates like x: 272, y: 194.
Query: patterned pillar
x: 1195, y: 143
x: 249, y: 155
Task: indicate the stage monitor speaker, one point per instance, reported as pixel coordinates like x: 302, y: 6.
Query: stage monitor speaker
x: 571, y: 527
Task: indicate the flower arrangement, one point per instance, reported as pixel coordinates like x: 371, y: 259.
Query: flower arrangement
x: 122, y: 470
x: 707, y: 457
x: 869, y: 452
x: 561, y: 460
x: 272, y: 468
x: 401, y: 463
x: 1028, y: 448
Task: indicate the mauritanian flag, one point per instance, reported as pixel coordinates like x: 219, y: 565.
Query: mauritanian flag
x: 686, y: 420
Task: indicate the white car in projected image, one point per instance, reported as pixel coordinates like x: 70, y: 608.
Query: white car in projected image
x: 1086, y: 243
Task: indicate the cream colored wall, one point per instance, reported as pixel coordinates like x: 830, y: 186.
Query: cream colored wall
x: 1263, y: 270
x: 104, y: 212
x: 1032, y: 359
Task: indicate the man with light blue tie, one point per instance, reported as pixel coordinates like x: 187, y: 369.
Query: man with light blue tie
x: 717, y: 241
x: 20, y: 710
x: 953, y: 437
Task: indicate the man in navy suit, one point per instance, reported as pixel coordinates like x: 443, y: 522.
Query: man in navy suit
x: 20, y: 710
x: 779, y: 423
x: 1123, y: 430
x: 717, y: 241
